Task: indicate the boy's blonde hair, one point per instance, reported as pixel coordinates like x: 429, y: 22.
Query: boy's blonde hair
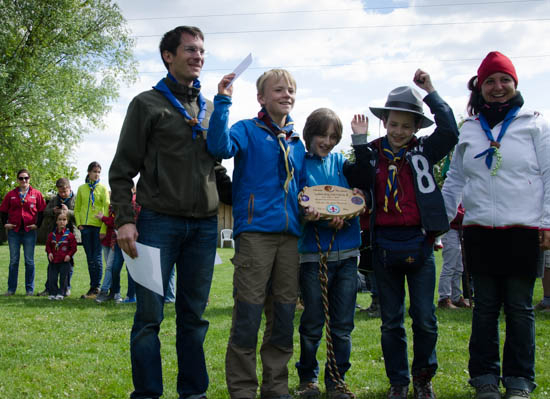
x: 276, y: 74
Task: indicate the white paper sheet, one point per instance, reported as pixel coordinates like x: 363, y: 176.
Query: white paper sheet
x: 145, y: 269
x: 241, y: 68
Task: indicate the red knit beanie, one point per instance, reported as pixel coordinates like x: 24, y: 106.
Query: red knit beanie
x: 495, y: 62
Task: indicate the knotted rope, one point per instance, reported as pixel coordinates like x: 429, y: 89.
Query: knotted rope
x: 323, y: 279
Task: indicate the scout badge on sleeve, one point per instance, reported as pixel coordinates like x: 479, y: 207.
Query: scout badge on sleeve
x: 332, y: 201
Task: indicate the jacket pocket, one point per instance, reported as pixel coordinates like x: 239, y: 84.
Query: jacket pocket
x: 250, y: 208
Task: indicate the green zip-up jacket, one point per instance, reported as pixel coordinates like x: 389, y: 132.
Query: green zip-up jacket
x: 177, y: 176
x: 84, y: 211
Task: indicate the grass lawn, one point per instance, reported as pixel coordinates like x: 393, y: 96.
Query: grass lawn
x: 78, y: 349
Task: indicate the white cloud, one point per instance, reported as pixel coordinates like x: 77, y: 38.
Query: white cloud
x: 344, y: 69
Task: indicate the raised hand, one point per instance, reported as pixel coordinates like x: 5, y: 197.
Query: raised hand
x: 360, y: 124
x: 422, y: 79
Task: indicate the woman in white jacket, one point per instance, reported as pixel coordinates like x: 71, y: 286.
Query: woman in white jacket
x: 501, y: 171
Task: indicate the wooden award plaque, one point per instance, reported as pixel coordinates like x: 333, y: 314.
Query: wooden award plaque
x: 332, y: 201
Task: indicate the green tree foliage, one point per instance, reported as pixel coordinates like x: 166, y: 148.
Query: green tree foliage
x: 61, y: 63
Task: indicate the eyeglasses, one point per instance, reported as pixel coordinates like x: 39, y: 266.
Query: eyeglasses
x: 193, y: 50
x: 21, y: 178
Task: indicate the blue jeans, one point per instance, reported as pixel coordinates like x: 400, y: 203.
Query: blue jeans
x: 108, y: 255
x: 170, y: 293
x: 15, y: 240
x: 131, y: 292
x: 515, y: 293
x: 342, y: 293
x: 92, y: 247
x: 391, y: 291
x: 190, y: 244
x: 114, y: 261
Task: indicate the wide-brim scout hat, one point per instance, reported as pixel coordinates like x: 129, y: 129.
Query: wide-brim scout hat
x: 406, y: 99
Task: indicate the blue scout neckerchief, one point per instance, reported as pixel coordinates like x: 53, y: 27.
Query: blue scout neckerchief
x: 23, y: 196
x: 195, y: 123
x: 282, y: 134
x: 391, y: 187
x: 495, y: 145
x: 65, y: 201
x: 63, y: 238
x: 92, y: 189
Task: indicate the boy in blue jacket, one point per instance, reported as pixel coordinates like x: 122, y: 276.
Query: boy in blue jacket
x: 340, y: 243
x: 267, y: 177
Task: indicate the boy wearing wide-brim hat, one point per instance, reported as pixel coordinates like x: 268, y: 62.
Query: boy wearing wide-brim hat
x: 408, y: 213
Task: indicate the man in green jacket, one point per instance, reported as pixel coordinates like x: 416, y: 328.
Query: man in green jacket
x: 163, y: 138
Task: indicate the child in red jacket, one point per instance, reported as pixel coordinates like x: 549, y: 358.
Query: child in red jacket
x: 60, y: 247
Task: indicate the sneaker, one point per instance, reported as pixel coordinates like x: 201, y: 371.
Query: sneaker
x: 339, y: 394
x: 308, y: 390
x: 68, y: 292
x: 398, y: 392
x: 51, y: 297
x: 9, y: 293
x: 29, y: 293
x: 129, y: 300
x: 59, y: 297
x: 103, y: 297
x: 117, y: 298
x: 423, y: 389
x: 43, y: 293
x: 462, y: 303
x: 516, y: 394
x: 446, y: 303
x: 542, y: 307
x: 488, y: 391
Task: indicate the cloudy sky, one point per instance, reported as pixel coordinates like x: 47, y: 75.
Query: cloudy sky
x: 345, y: 55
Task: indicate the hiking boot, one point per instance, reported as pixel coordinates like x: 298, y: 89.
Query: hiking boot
x: 446, y: 303
x: 488, y: 391
x: 103, y: 297
x: 516, y: 394
x: 339, y: 394
x: 91, y: 294
x: 43, y: 293
x: 542, y: 307
x: 423, y: 389
x: 374, y: 309
x: 309, y: 390
x: 462, y: 303
x: 398, y: 392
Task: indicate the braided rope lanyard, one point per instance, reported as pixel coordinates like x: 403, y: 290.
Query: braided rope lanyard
x: 323, y: 279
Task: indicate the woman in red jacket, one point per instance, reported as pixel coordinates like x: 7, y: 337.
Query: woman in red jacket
x: 22, y: 211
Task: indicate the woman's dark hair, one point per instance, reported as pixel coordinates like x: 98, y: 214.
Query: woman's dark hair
x: 476, y: 100
x: 91, y: 167
x: 318, y: 122
x: 23, y: 171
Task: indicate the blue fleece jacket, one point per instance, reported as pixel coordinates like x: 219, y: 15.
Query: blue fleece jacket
x: 260, y: 202
x: 328, y: 170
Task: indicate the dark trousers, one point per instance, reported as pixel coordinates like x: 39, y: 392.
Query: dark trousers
x: 58, y: 272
